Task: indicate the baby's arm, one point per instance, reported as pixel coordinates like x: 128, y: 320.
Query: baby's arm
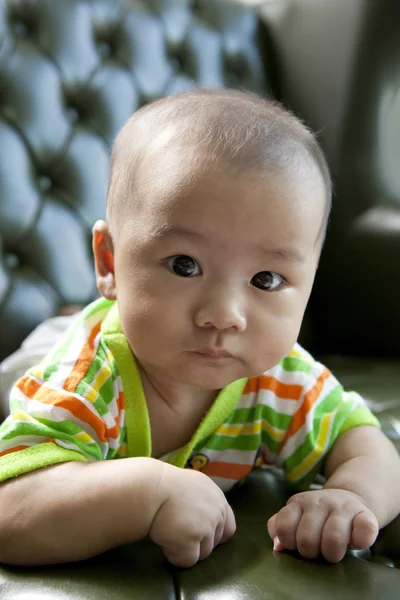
x: 361, y: 495
x: 75, y: 510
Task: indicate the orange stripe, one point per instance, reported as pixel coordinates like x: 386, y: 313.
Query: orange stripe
x: 299, y: 417
x: 49, y: 441
x: 28, y: 386
x: 266, y: 382
x: 75, y: 407
x: 46, y: 395
x: 121, y: 402
x: 227, y: 470
x: 121, y: 406
x: 83, y: 361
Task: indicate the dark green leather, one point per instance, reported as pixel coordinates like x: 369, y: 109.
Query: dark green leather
x: 71, y: 72
x: 245, y: 568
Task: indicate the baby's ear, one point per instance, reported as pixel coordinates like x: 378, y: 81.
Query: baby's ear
x: 103, y: 251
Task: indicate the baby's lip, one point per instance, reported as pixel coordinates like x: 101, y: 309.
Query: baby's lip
x: 215, y: 353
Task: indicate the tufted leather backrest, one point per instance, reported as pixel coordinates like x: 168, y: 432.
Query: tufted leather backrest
x: 71, y: 73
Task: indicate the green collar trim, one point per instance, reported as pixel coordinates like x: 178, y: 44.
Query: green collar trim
x: 136, y: 413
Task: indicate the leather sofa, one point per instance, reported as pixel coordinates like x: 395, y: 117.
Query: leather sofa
x: 71, y: 72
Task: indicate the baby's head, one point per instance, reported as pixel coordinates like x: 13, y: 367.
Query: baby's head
x: 217, y: 209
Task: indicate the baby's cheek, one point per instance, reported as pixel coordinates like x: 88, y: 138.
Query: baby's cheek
x: 151, y: 329
x: 271, y: 344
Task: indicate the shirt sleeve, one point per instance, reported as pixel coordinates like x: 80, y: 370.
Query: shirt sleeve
x: 68, y: 408
x: 323, y: 412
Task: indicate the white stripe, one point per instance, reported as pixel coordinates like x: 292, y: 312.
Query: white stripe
x: 22, y: 440
x: 280, y: 405
x: 70, y: 446
x: 239, y: 457
x: 268, y: 398
x: 247, y: 401
x: 321, y: 453
x: 298, y: 439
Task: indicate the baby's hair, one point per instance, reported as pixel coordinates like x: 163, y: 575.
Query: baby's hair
x: 238, y: 129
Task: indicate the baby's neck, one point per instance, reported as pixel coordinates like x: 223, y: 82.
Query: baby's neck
x: 177, y: 396
x: 175, y: 411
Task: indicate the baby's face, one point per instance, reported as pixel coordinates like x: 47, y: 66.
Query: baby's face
x: 213, y: 279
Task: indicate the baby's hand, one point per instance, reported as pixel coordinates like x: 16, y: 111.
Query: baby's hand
x: 193, y: 518
x: 323, y: 521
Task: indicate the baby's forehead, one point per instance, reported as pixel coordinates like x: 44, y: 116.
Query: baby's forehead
x: 167, y: 148
x: 184, y: 196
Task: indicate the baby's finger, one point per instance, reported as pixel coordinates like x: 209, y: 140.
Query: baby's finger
x: 278, y: 546
x: 309, y: 532
x: 336, y: 536
x: 184, y: 556
x: 206, y: 547
x: 284, y: 524
x: 219, y: 533
x: 271, y: 527
x: 230, y: 524
x: 364, y: 531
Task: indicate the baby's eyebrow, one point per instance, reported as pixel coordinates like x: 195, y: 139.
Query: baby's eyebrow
x: 285, y: 254
x: 169, y: 231
x: 291, y: 255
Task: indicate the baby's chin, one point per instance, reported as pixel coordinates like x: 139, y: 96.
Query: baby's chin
x: 211, y: 377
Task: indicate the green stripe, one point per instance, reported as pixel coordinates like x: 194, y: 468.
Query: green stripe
x: 106, y: 396
x: 112, y: 453
x: 97, y: 363
x: 292, y: 363
x: 344, y: 419
x: 331, y: 403
x: 272, y: 445
x: 241, y: 442
x: 242, y: 416
x: 68, y: 427
x: 122, y: 435
x: 113, y: 363
x: 276, y: 419
x: 45, y: 428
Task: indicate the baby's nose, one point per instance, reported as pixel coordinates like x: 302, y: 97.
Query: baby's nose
x: 222, y: 311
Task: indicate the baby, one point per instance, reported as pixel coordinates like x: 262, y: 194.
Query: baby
x: 217, y: 209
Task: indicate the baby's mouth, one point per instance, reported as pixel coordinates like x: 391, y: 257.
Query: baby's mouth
x: 216, y: 353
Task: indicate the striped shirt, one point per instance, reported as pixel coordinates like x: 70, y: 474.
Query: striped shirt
x: 85, y: 402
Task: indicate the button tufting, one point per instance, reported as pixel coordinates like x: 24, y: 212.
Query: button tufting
x: 194, y: 5
x: 11, y: 260
x: 45, y: 183
x: 176, y: 63
x: 20, y: 29
x: 104, y: 49
x: 72, y: 114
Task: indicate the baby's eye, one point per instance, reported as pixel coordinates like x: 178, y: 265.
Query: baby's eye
x: 267, y: 280
x: 183, y: 265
